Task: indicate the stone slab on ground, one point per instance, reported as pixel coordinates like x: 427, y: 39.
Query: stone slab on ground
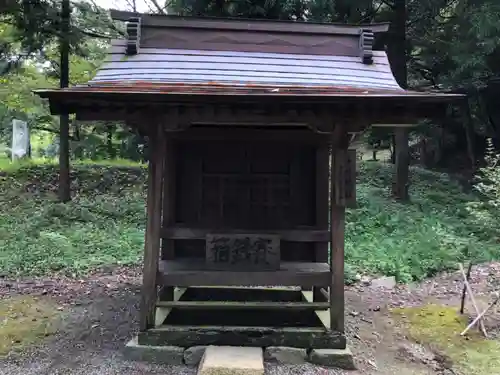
x: 193, y: 355
x: 285, y: 355
x: 165, y: 355
x: 341, y: 358
x: 232, y: 360
x: 388, y: 282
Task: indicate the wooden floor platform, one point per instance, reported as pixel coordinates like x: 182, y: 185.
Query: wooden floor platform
x: 185, y: 273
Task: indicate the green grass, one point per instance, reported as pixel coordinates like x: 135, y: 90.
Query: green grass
x: 417, y: 239
x: 6, y: 164
x: 104, y: 224
x: 109, y: 162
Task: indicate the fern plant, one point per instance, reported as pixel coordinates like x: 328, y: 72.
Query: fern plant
x: 488, y: 179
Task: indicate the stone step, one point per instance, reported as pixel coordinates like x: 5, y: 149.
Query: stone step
x: 232, y: 360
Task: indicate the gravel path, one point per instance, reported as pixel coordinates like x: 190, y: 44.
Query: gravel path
x: 107, y: 363
x: 101, y: 315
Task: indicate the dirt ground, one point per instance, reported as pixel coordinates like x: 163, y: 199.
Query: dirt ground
x: 100, y: 315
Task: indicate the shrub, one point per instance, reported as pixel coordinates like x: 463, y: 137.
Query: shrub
x: 104, y: 224
x: 486, y: 210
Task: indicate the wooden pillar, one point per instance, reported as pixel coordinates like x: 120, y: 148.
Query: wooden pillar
x: 322, y: 181
x: 169, y: 183
x: 339, y: 172
x: 153, y: 228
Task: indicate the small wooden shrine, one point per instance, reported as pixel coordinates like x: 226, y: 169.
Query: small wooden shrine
x: 250, y: 173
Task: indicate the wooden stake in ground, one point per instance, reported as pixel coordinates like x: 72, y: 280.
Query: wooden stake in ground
x: 480, y: 316
x: 464, y: 290
x: 473, y: 300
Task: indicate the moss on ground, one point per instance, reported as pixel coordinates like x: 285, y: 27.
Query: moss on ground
x: 25, y: 320
x: 438, y: 327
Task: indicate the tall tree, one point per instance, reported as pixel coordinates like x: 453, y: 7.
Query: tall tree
x: 455, y: 46
x: 29, y: 27
x: 64, y: 178
x: 397, y: 55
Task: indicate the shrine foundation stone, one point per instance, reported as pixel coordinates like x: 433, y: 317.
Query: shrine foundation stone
x: 166, y: 355
x: 193, y: 355
x: 285, y: 355
x: 341, y: 358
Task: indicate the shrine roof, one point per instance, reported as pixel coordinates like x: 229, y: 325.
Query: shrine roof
x: 182, y: 69
x: 182, y: 57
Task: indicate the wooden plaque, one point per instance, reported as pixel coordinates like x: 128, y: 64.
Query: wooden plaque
x: 344, y: 178
x: 246, y: 252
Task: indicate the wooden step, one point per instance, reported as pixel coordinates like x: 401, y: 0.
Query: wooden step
x: 232, y: 305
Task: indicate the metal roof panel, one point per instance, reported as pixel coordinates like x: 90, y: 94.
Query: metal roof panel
x: 227, y: 69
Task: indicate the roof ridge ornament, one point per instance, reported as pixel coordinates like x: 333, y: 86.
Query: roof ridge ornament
x: 366, y: 46
x: 133, y: 36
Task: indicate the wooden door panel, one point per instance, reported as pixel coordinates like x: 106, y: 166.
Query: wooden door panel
x: 247, y: 185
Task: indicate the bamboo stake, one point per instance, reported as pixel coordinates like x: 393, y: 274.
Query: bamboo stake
x: 431, y: 288
x: 464, y: 290
x: 473, y: 300
x: 479, y: 317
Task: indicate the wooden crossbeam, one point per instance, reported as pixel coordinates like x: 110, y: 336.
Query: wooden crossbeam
x: 231, y: 305
x: 293, y: 235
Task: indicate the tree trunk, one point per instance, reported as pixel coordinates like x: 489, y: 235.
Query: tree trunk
x: 398, y: 57
x: 392, y: 148
x: 400, y: 184
x: 469, y: 134
x: 423, y: 152
x: 64, y: 182
x: 438, y: 155
x: 78, y: 149
x: 29, y: 151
